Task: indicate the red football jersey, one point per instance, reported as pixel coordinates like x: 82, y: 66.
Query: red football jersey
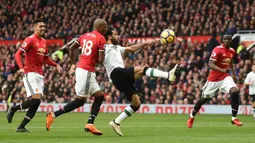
x: 223, y: 57
x: 90, y: 44
x: 35, y: 49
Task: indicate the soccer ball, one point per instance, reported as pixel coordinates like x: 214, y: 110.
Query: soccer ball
x: 167, y: 36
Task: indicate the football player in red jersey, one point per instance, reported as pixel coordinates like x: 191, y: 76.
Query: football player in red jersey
x: 36, y: 53
x: 219, y: 79
x: 92, y: 52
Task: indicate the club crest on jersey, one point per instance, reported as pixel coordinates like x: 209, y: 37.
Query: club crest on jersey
x: 41, y: 50
x: 24, y: 44
x: 226, y: 61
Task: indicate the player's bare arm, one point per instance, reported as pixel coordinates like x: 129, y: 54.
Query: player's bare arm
x: 213, y: 66
x: 101, y: 56
x: 137, y: 47
x: 73, y: 51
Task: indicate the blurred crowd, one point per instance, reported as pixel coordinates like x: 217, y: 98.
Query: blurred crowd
x: 193, y: 58
x: 133, y: 18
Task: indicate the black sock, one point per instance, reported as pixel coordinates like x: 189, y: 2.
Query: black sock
x: 95, y: 109
x: 144, y: 70
x: 34, y: 103
x: 234, y: 103
x: 21, y: 106
x: 198, y: 105
x: 24, y: 123
x: 70, y: 107
x: 91, y: 119
x: 135, y: 108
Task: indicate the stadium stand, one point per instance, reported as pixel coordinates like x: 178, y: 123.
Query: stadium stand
x: 68, y: 19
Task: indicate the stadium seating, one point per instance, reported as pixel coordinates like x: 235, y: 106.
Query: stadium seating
x: 133, y: 19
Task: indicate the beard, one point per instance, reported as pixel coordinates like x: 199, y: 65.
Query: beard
x: 114, y: 41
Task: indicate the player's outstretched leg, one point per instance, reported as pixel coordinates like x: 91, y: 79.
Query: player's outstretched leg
x: 235, y: 105
x: 151, y: 72
x: 67, y: 108
x: 194, y: 112
x: 90, y: 127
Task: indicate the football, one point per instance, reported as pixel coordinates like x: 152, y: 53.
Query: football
x: 167, y: 36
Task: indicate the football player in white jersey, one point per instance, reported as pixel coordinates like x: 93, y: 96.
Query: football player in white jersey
x: 250, y: 81
x: 124, y: 78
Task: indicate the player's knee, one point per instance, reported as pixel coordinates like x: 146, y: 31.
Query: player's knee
x: 135, y: 107
x: 98, y: 94
x: 139, y: 70
x: 233, y: 91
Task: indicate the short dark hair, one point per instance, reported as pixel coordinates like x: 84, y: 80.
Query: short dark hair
x: 228, y: 33
x: 225, y: 33
x: 108, y: 32
x: 38, y: 20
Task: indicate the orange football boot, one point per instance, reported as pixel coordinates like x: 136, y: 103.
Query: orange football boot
x: 49, y: 120
x: 190, y: 122
x: 237, y: 122
x: 91, y: 128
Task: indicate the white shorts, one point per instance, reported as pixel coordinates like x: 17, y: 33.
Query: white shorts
x: 34, y: 83
x: 210, y: 88
x: 86, y: 83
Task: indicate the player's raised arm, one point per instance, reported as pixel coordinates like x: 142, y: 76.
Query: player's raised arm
x: 137, y: 47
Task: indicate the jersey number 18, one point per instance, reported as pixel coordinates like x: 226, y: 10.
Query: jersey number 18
x: 87, y: 47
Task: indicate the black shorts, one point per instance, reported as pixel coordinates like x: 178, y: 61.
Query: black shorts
x: 252, y: 97
x: 123, y: 80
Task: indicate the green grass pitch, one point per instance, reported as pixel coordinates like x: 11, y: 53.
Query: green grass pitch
x: 140, y: 128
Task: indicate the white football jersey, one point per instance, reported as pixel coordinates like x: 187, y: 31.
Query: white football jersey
x: 113, y: 57
x: 251, y: 78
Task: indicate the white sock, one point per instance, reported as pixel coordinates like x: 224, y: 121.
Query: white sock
x: 124, y: 115
x: 151, y: 72
x: 233, y: 118
x: 190, y: 115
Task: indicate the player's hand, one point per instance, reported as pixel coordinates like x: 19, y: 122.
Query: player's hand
x: 151, y: 42
x: 59, y: 68
x: 72, y: 70
x: 21, y: 72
